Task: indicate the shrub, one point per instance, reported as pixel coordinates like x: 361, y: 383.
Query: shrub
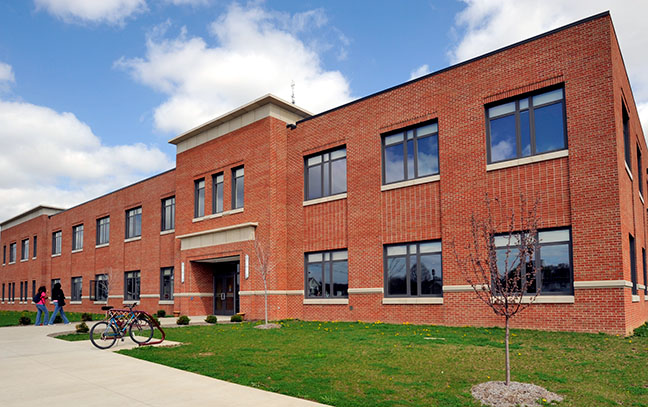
x: 82, y: 328
x: 183, y: 320
x: 211, y: 319
x: 24, y: 320
x: 236, y: 318
x: 86, y: 317
x: 642, y: 331
x: 161, y: 313
x: 58, y: 319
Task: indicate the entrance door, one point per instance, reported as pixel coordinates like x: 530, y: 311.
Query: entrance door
x: 225, y: 290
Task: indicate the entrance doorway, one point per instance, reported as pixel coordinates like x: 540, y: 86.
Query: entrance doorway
x: 226, y: 288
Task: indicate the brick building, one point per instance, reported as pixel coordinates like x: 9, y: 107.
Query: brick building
x: 357, y: 206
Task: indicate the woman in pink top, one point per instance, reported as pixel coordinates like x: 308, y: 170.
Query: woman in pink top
x: 40, y: 306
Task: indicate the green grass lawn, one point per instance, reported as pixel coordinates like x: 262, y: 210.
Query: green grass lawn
x: 10, y: 318
x: 365, y: 364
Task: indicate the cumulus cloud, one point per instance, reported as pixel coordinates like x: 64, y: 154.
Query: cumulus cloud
x: 256, y: 52
x: 189, y: 2
x: 490, y: 24
x: 55, y: 159
x: 92, y: 11
x: 6, y: 73
x: 420, y: 71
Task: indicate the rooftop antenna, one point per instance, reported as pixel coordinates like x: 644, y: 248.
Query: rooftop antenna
x: 292, y: 86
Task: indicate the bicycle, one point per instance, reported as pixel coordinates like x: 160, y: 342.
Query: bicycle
x: 138, y: 323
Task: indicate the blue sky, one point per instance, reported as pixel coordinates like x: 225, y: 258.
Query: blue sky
x: 91, y: 91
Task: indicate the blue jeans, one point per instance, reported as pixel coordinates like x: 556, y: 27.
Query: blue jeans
x: 58, y: 309
x: 42, y: 309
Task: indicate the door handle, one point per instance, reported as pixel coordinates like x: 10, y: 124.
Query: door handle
x: 222, y: 296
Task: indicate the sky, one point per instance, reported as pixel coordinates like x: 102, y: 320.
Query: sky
x: 92, y: 90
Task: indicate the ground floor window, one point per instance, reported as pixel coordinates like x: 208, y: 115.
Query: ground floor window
x: 132, y: 285
x: 99, y: 288
x: 77, y: 283
x: 413, y: 269
x: 327, y: 274
x: 166, y: 283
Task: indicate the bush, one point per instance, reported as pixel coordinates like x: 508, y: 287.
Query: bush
x: 58, y: 319
x: 82, y: 328
x: 24, y: 320
x: 161, y: 313
x: 211, y: 319
x: 86, y: 317
x: 642, y: 331
x: 236, y: 318
x: 183, y: 320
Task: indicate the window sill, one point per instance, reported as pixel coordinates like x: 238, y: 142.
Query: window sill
x: 54, y: 255
x: 642, y: 198
x: 325, y: 199
x: 326, y: 301
x: 133, y: 239
x: 165, y: 302
x: 635, y: 298
x: 99, y: 246
x: 412, y: 300
x: 167, y: 232
x: 23, y: 260
x: 409, y: 183
x: 100, y: 302
x: 77, y: 251
x: 76, y: 302
x: 13, y: 262
x: 217, y: 215
x: 376, y: 290
x: 548, y: 299
x: 641, y: 287
x: 628, y: 170
x: 527, y: 160
x: 33, y: 258
x: 130, y: 302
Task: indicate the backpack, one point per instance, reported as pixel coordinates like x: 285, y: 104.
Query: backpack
x: 37, y: 298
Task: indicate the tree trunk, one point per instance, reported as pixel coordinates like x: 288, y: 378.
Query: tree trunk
x: 508, y: 358
x: 265, y: 289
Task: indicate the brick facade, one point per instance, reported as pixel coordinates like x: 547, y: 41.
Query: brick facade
x: 585, y: 188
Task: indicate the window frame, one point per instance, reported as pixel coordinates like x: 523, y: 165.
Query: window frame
x: 99, y: 285
x: 24, y: 249
x: 645, y: 271
x: 325, y: 273
x: 633, y: 263
x: 216, y: 187
x: 199, y: 198
x: 135, y: 214
x: 35, y: 247
x: 167, y: 221
x: 103, y: 231
x: 132, y: 278
x: 76, y: 288
x: 12, y: 252
x: 4, y: 254
x: 163, y: 282
x: 408, y: 269
x: 325, y: 158
x: 639, y: 170
x: 235, y: 180
x: 415, y: 139
x: 77, y: 237
x: 625, y: 117
x: 531, y: 109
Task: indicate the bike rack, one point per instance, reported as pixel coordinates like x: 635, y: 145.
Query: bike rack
x: 122, y: 315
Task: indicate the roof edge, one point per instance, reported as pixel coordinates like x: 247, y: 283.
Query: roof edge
x: 29, y: 212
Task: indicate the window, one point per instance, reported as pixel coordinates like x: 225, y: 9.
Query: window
x: 21, y: 292
x: 33, y: 288
x: 56, y: 242
x: 237, y: 187
x: 77, y: 283
x: 626, y: 134
x: 12, y: 253
x: 24, y: 249
x: 413, y: 269
x: 326, y: 174
x: 4, y: 254
x: 13, y: 292
x: 168, y: 213
x: 526, y: 126
x: 633, y: 265
x: 132, y: 285
x: 639, y: 171
x: 134, y: 222
x: 199, y: 198
x: 99, y: 288
x: 411, y: 153
x: 217, y: 193
x: 103, y: 230
x: 77, y: 237
x: 166, y: 283
x: 645, y: 276
x: 3, y: 292
x: 35, y: 246
x: 327, y: 274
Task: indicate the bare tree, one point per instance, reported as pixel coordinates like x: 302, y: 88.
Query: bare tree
x: 499, y: 261
x: 265, y: 268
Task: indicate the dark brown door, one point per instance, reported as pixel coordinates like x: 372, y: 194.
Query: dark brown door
x: 224, y: 294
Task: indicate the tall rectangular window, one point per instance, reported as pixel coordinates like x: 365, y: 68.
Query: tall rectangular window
x: 132, y: 285
x: 633, y: 265
x: 4, y: 254
x: 56, y: 242
x: 134, y: 222
x: 33, y: 292
x: 325, y: 174
x: 639, y: 171
x: 411, y: 153
x: 103, y: 230
x: 238, y: 175
x: 199, y: 198
x: 626, y: 135
x: 12, y: 253
x: 24, y: 249
x: 77, y: 284
x: 413, y: 269
x: 99, y: 288
x: 21, y: 292
x: 168, y: 213
x: 35, y: 246
x: 217, y: 193
x: 166, y: 283
x: 327, y: 274
x: 77, y: 237
x: 3, y: 292
x: 526, y: 126
x: 645, y: 274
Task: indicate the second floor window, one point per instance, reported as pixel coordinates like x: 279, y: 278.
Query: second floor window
x: 526, y: 126
x: 35, y: 246
x: 237, y: 187
x: 56, y: 242
x: 12, y: 253
x: 24, y: 249
x: 326, y: 174
x: 77, y: 283
x: 639, y: 171
x: 4, y: 254
x: 217, y: 193
x: 168, y: 213
x: 199, y: 198
x: 134, y: 222
x: 411, y: 153
x: 103, y: 230
x: 77, y: 237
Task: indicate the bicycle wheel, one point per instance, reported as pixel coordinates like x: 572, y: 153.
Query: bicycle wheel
x: 141, y: 330
x: 103, y: 335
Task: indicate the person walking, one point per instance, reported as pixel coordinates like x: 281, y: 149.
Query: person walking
x: 58, y: 299
x: 41, y: 308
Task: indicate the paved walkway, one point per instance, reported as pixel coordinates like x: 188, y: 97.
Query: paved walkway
x: 36, y: 368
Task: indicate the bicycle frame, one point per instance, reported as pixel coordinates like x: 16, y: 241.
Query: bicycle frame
x: 121, y: 319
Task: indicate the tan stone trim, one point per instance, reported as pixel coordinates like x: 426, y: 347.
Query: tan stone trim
x: 213, y: 237
x: 628, y: 170
x: 635, y: 298
x: 325, y: 199
x: 193, y: 294
x: 409, y: 183
x: 547, y: 299
x: 323, y: 301
x: 641, y: 287
x: 375, y: 290
x: 115, y: 296
x: 76, y: 302
x: 412, y: 300
x: 218, y: 215
x: 459, y: 288
x: 149, y: 295
x: 528, y: 160
x: 132, y: 239
x: 99, y: 246
x: 578, y: 285
x: 167, y: 232
x: 77, y: 251
x: 166, y: 302
x: 272, y: 292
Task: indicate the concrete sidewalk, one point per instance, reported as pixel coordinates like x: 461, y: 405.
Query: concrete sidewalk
x: 36, y: 368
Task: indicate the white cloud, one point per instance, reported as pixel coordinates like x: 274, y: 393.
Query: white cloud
x: 94, y: 11
x: 257, y: 52
x: 492, y: 24
x: 6, y: 73
x: 420, y: 71
x: 189, y: 2
x: 54, y: 159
